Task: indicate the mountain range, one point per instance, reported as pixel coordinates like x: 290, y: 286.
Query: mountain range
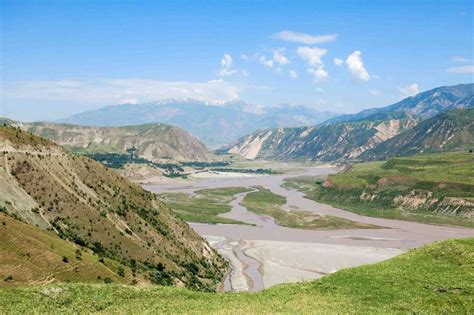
x: 432, y: 121
x: 214, y: 123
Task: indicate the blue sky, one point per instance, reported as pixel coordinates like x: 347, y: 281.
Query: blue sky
x: 62, y: 57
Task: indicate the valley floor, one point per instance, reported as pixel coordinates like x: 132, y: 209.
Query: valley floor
x: 264, y: 253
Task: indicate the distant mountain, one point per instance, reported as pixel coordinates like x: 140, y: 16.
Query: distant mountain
x: 214, y: 123
x: 450, y: 131
x: 421, y: 106
x: 349, y: 136
x: 84, y: 202
x: 330, y: 143
x: 153, y: 141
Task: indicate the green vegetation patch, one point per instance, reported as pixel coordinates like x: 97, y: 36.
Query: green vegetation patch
x: 435, y: 279
x: 264, y: 202
x: 204, y: 205
x: 432, y: 188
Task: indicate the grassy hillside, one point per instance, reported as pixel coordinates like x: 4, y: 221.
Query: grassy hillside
x: 94, y: 207
x: 153, y: 141
x: 264, y: 202
x: 450, y: 131
x: 30, y: 256
x: 434, y: 279
x: 432, y: 188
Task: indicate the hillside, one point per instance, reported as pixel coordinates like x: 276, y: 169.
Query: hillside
x: 421, y: 106
x: 330, y: 143
x: 94, y: 207
x: 215, y: 124
x: 431, y: 188
x: 434, y: 279
x: 153, y: 141
x: 30, y: 256
x: 450, y: 131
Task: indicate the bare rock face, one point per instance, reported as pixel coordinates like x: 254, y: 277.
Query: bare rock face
x: 341, y: 141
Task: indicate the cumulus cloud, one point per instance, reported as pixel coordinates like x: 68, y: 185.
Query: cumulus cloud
x: 461, y: 69
x: 114, y: 91
x: 293, y: 74
x: 226, y: 66
x: 311, y: 55
x: 266, y: 62
x: 409, y: 90
x: 356, y: 66
x: 338, y: 62
x: 319, y: 73
x: 279, y: 57
x: 303, y: 38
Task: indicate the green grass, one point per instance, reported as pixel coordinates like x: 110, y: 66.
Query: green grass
x: 373, y: 189
x: 204, y: 206
x: 264, y: 202
x: 434, y: 279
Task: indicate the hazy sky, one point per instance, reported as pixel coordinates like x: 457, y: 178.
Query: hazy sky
x: 62, y: 57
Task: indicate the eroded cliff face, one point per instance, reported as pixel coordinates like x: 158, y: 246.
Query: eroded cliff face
x: 326, y: 143
x: 153, y: 141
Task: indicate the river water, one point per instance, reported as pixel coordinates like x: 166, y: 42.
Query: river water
x: 267, y: 254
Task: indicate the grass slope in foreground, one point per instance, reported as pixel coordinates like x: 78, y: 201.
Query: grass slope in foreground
x: 432, y: 188
x: 436, y: 278
x: 204, y: 205
x: 264, y: 202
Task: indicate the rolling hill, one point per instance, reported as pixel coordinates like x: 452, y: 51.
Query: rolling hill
x: 88, y: 204
x: 152, y: 141
x: 215, y: 124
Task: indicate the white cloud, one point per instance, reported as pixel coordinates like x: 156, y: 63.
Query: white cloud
x: 375, y: 92
x: 303, y: 38
x: 311, y: 55
x: 293, y: 74
x: 226, y: 66
x: 338, y: 62
x: 227, y: 60
x: 266, y: 62
x: 319, y: 90
x: 279, y: 57
x: 462, y: 69
x: 356, y: 66
x: 244, y: 57
x: 409, y: 90
x: 114, y: 91
x: 319, y: 73
x: 459, y: 59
